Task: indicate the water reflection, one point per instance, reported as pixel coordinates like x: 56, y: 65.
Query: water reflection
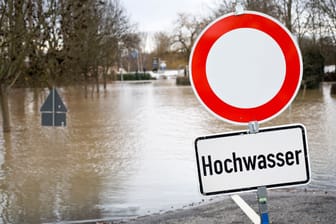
x: 128, y: 151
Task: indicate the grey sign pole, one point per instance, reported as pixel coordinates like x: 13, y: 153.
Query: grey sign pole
x: 262, y: 201
x: 262, y: 190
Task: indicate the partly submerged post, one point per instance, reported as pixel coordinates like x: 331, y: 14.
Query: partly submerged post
x: 53, y: 110
x: 262, y: 201
x: 333, y: 89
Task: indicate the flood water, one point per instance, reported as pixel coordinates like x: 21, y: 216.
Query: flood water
x: 129, y: 151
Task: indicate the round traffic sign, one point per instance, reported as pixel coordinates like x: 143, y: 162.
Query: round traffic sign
x: 245, y: 67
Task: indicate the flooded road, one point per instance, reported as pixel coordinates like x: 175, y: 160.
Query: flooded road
x: 129, y: 151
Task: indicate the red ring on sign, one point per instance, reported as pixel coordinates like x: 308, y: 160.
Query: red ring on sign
x: 289, y: 49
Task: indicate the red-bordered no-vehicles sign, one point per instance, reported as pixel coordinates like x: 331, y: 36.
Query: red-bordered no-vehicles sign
x: 245, y: 67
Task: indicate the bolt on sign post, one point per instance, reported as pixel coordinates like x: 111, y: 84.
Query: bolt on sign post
x: 246, y: 69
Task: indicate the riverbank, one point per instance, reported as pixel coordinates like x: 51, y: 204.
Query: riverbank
x: 285, y: 206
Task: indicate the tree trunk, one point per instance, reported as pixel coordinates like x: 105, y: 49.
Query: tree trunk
x: 85, y: 85
x: 97, y: 79
x: 289, y: 24
x: 104, y: 80
x: 4, y: 108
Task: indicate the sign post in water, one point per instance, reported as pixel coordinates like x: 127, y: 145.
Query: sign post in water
x: 246, y: 68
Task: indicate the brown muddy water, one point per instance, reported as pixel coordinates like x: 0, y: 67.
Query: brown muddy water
x: 129, y: 151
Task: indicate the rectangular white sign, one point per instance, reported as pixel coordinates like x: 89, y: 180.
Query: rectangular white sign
x: 240, y: 161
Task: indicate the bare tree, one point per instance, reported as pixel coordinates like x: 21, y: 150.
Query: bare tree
x: 118, y: 35
x: 162, y: 43
x: 324, y: 27
x: 95, y: 32
x: 185, y: 33
x: 12, y: 50
x: 222, y: 8
x: 287, y: 11
x: 80, y: 22
x: 328, y: 9
x: 51, y: 41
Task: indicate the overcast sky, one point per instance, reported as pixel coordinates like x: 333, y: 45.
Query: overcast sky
x: 158, y: 15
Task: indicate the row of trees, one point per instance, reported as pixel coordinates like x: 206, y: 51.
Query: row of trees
x: 44, y: 43
x: 312, y: 21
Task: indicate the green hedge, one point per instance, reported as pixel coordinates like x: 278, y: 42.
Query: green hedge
x: 135, y: 76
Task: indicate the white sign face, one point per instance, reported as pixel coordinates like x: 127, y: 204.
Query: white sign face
x: 238, y: 161
x: 226, y: 70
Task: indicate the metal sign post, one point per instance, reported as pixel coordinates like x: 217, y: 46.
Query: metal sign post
x: 248, y: 160
x: 262, y: 201
x: 262, y: 190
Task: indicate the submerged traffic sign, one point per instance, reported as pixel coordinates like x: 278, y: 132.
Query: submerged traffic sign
x: 53, y: 111
x: 239, y: 161
x: 245, y: 67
